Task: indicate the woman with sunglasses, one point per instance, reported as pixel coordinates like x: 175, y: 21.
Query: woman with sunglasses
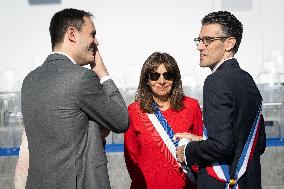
x: 160, y: 110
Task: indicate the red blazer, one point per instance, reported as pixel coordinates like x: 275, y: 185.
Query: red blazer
x: 147, y: 165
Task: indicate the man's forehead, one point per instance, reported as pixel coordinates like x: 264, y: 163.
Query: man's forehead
x: 210, y: 29
x: 89, y: 23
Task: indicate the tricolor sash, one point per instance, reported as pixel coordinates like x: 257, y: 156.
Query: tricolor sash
x: 163, y: 135
x: 221, y: 171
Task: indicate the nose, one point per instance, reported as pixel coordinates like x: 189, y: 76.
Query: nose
x: 201, y: 46
x: 162, y: 80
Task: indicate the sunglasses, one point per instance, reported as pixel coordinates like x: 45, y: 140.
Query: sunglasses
x: 154, y: 76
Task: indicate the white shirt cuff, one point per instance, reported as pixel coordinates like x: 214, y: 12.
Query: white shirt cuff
x: 184, y: 154
x: 107, y: 77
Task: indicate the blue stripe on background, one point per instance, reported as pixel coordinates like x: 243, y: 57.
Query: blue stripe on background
x: 9, y: 151
x: 271, y: 142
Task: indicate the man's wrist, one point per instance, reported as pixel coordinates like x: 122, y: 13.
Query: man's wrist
x: 104, y: 78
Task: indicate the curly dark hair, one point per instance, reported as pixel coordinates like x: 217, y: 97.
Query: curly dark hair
x: 64, y: 19
x: 231, y: 26
x: 144, y: 93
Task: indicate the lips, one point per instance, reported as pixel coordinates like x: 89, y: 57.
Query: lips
x: 93, y: 48
x: 202, y: 57
x: 163, y: 88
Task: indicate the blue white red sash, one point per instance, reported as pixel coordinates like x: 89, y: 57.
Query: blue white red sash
x: 221, y: 171
x: 163, y: 135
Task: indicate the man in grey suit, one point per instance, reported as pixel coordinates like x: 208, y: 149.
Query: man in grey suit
x: 59, y: 98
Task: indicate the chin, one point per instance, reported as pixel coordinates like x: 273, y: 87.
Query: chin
x: 202, y: 64
x: 90, y: 61
x: 163, y: 94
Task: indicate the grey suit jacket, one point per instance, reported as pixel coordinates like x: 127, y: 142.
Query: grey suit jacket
x: 59, y: 99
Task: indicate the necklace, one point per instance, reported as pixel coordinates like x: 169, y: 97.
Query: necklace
x: 164, y: 105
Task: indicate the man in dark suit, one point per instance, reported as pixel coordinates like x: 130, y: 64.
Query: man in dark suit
x: 230, y: 112
x: 59, y: 98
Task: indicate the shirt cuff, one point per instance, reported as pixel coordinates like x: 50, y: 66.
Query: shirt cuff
x: 107, y: 77
x: 184, y: 154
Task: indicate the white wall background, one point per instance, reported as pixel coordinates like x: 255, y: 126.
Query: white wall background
x: 130, y: 30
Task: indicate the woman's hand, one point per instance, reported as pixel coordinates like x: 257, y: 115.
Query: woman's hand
x: 188, y: 136
x: 180, y: 154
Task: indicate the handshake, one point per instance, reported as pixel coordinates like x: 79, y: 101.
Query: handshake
x: 184, y: 138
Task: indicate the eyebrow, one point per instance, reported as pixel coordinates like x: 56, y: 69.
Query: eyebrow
x: 207, y: 36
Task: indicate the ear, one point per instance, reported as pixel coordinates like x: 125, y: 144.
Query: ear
x: 72, y: 34
x: 230, y: 43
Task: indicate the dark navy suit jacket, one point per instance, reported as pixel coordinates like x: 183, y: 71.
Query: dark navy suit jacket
x: 231, y: 101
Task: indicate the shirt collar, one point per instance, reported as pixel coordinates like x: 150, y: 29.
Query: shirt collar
x: 64, y: 55
x: 220, y: 63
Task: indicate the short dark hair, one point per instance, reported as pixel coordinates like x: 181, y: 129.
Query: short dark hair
x: 231, y: 26
x: 144, y: 93
x: 64, y: 19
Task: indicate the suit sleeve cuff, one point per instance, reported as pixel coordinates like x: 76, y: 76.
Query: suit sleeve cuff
x: 190, y: 153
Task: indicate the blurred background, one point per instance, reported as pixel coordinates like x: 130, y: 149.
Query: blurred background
x: 128, y: 32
